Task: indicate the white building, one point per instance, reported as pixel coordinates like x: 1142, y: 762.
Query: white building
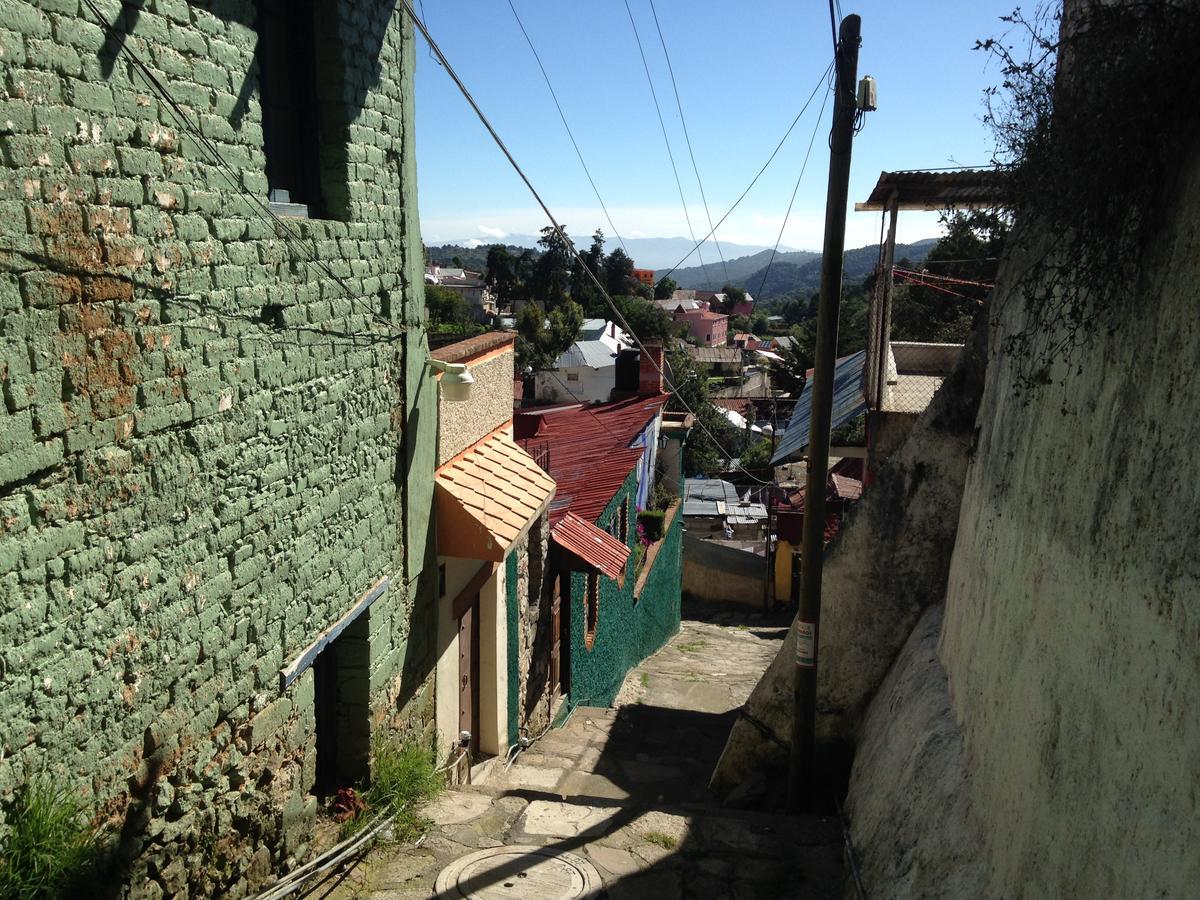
x: 586, y: 372
x: 470, y: 285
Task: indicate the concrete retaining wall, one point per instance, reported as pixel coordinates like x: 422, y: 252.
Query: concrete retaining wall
x: 722, y: 574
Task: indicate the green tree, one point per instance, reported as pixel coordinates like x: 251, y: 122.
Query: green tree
x: 583, y: 288
x: 549, y: 283
x: 702, y: 455
x: 970, y: 251
x: 789, y: 374
x: 448, y: 309
x: 648, y: 322
x: 541, y: 338
x: 733, y: 296
x: 618, y: 274
x: 665, y: 288
x: 501, y: 274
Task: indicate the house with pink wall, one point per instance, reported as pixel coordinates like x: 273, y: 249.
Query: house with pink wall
x: 710, y: 329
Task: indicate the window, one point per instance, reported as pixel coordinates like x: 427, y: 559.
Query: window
x: 287, y: 83
x: 593, y: 609
x: 572, y: 376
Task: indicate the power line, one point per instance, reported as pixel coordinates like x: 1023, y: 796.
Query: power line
x: 288, y: 234
x: 666, y: 140
x: 754, y: 181
x: 571, y: 135
x: 407, y: 4
x: 687, y: 137
x: 795, y: 190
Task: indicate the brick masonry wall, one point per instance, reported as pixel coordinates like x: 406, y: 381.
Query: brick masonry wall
x: 203, y: 453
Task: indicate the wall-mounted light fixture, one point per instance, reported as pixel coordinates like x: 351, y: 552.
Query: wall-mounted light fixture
x: 456, y: 381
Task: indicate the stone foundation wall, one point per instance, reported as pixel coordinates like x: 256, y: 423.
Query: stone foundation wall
x: 199, y: 431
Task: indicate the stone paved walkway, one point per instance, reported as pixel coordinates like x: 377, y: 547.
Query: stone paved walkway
x: 626, y: 788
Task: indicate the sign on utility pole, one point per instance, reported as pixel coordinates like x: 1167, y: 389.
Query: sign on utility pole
x: 808, y: 618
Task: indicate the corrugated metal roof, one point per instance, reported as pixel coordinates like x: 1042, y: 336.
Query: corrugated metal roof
x: 590, y: 448
x: 596, y: 354
x: 716, y: 355
x: 709, y: 489
x: 937, y: 191
x: 848, y: 403
x: 487, y: 496
x: 742, y: 513
x: 594, y: 546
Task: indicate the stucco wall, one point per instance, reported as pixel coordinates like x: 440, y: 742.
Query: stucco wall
x: 1072, y: 612
x: 628, y: 628
x: 462, y: 423
x: 887, y: 565
x: 591, y: 385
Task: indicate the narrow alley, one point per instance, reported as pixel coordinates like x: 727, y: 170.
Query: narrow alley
x: 616, y: 800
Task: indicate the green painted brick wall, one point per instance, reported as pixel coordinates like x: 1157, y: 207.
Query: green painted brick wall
x: 209, y: 449
x: 628, y: 630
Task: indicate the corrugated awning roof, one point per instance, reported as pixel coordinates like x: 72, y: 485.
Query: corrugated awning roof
x: 958, y: 189
x: 487, y: 496
x: 592, y: 449
x: 849, y: 402
x: 595, y: 547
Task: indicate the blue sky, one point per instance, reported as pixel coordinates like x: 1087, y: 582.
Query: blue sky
x: 743, y: 70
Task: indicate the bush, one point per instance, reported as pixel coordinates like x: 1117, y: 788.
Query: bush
x: 50, y: 849
x: 403, y: 776
x: 652, y: 521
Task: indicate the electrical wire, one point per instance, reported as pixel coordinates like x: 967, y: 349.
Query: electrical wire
x: 795, y: 190
x: 687, y: 137
x: 662, y: 124
x: 754, y: 181
x: 918, y: 282
x: 570, y: 134
x: 567, y: 242
x: 282, y: 228
x: 947, y: 278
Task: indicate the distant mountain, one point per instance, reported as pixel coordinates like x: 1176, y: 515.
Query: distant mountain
x: 647, y: 253
x: 712, y: 276
x: 798, y: 272
x: 471, y: 257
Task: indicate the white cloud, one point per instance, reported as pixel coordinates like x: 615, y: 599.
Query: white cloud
x: 804, y: 231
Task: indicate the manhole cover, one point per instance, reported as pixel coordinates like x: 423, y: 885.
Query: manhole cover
x: 519, y: 872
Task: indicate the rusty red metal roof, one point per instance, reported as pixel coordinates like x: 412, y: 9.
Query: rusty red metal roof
x: 592, y: 545
x: 590, y: 452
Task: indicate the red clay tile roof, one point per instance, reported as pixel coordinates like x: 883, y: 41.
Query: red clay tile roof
x: 591, y: 544
x: 487, y: 496
x: 589, y: 448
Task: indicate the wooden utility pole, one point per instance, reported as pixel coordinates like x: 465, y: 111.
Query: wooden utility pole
x: 808, y: 618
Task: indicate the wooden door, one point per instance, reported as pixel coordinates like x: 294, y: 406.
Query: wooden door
x: 468, y: 673
x: 562, y: 632
x: 555, y: 641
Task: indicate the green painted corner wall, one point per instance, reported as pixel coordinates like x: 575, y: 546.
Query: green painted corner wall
x: 628, y: 629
